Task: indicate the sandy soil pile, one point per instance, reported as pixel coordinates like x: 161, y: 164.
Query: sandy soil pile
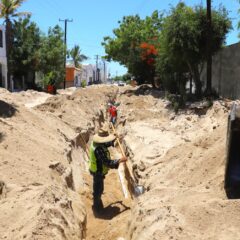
x: 39, y: 161
x: 180, y: 161
x: 45, y: 188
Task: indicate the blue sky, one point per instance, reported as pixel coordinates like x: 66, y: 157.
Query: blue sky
x: 94, y: 19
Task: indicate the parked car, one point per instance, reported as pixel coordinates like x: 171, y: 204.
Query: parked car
x: 120, y: 83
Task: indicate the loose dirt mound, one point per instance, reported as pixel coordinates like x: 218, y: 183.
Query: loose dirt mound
x: 180, y: 160
x: 45, y: 189
x: 40, y: 164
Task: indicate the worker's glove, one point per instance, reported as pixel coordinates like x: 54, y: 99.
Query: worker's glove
x: 123, y: 159
x: 116, y: 135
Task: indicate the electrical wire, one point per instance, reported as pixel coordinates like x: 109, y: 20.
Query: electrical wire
x: 57, y: 5
x: 141, y: 5
x: 44, y: 6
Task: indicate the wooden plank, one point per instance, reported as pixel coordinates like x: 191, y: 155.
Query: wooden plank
x: 128, y: 175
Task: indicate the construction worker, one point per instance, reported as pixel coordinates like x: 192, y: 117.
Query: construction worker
x: 113, y: 113
x: 114, y: 102
x: 100, y: 162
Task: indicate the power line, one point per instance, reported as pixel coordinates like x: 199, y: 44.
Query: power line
x: 86, y: 45
x: 141, y: 5
x: 57, y: 5
x: 45, y: 5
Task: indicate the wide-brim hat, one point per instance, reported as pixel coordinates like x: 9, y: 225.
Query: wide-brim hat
x: 103, y: 136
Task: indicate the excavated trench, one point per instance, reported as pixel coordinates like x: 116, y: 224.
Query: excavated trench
x: 113, y: 222
x: 54, y: 198
x: 103, y: 226
x: 178, y: 158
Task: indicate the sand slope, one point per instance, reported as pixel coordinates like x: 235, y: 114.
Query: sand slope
x: 45, y: 188
x: 181, y: 162
x: 36, y: 162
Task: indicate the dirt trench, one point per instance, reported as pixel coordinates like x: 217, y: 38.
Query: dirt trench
x: 46, y: 190
x: 180, y: 160
x: 113, y: 221
x: 45, y: 187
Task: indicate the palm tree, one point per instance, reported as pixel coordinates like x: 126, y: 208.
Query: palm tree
x: 8, y: 10
x: 76, y: 55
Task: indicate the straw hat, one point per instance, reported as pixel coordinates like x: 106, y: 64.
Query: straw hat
x: 103, y: 136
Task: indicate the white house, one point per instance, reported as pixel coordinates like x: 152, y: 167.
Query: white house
x: 88, y: 73
x: 3, y: 58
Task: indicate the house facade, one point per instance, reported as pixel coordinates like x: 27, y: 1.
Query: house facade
x: 3, y: 58
x: 73, y: 74
x: 88, y: 73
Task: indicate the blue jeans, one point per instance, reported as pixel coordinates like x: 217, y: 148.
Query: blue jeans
x: 113, y: 120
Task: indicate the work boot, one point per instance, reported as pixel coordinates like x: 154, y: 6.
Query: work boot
x: 98, y: 205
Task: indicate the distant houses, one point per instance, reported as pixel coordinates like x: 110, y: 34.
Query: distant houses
x: 72, y: 75
x: 3, y: 58
x: 85, y: 74
x: 89, y: 73
x: 75, y: 77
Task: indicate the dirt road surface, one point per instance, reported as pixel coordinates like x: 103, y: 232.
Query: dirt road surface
x: 46, y: 190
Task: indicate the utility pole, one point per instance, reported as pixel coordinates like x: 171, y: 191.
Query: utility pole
x: 97, y: 72
x: 65, y: 49
x: 209, y: 48
x: 104, y: 70
x: 109, y: 75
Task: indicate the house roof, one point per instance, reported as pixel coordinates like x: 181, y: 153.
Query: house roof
x: 71, y: 65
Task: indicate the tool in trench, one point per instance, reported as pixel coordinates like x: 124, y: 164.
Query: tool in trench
x: 133, y: 187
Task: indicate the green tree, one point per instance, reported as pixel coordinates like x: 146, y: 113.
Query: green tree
x: 51, y: 55
x: 183, y: 41
x: 117, y: 78
x: 128, y: 46
x: 26, y: 44
x: 126, y: 77
x: 77, y: 57
x: 239, y: 21
x: 8, y: 10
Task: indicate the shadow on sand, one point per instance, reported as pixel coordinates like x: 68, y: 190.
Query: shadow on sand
x: 7, y: 110
x: 145, y: 89
x: 1, y: 137
x: 110, y: 211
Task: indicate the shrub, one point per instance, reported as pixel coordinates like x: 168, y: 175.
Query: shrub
x: 83, y: 83
x: 52, y: 78
x: 49, y: 79
x: 177, y: 101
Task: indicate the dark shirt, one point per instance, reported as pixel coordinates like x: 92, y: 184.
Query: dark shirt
x: 102, y: 158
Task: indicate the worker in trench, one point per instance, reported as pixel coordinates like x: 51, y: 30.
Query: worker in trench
x: 100, y: 162
x: 112, y: 110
